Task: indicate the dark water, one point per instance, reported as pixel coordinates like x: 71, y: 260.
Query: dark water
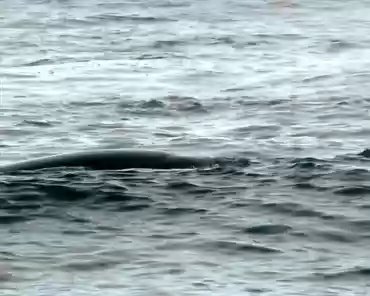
x: 282, y: 83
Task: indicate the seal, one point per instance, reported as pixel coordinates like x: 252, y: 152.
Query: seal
x: 112, y: 159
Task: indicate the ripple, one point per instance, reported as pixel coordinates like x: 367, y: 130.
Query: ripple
x: 129, y: 18
x: 181, y: 185
x: 338, y: 236
x: 171, y: 105
x: 183, y: 211
x: 11, y: 219
x: 152, y: 104
x: 268, y: 229
x: 309, y: 163
x: 230, y: 246
x: 40, y: 123
x: 297, y: 210
x: 337, y: 45
x: 361, y: 225
x: 309, y: 186
x: 64, y: 192
x: 162, y: 44
x: 185, y: 104
x: 90, y: 265
x: 317, y: 78
x: 353, y: 191
x: 39, y: 62
x: 246, y: 82
x: 350, y: 274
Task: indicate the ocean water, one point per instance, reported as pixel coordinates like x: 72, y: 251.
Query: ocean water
x: 283, y: 83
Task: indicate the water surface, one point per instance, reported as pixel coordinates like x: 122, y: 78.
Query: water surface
x: 282, y: 83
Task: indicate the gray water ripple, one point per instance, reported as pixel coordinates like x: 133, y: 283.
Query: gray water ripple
x: 280, y: 86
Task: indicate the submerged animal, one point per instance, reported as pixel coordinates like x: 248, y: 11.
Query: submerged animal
x: 113, y: 159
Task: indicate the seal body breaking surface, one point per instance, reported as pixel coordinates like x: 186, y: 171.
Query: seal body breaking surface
x: 111, y: 160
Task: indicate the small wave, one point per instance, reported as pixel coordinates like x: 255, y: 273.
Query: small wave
x: 181, y: 185
x: 183, y: 211
x: 337, y: 45
x: 168, y: 43
x: 268, y: 229
x: 356, y: 174
x: 353, y: 190
x: 317, y: 78
x: 169, y: 105
x: 239, y: 44
x: 40, y: 123
x: 281, y: 36
x: 132, y: 207
x: 147, y: 56
x: 152, y: 104
x: 256, y: 128
x: 78, y: 232
x: 230, y: 246
x: 350, y: 274
x: 166, y: 4
x: 224, y: 40
x: 40, y: 62
x: 88, y: 103
x: 309, y: 163
x: 64, y: 192
x: 90, y: 265
x: 33, y: 193
x: 258, y: 102
x: 297, y: 210
x: 20, y: 207
x: 235, y: 89
x: 309, y: 186
x: 336, y: 236
x: 11, y: 219
x: 129, y: 18
x: 361, y: 225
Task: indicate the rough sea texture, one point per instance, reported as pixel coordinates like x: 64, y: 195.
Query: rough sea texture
x: 283, y: 83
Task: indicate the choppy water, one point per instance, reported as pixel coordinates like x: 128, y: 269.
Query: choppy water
x: 283, y: 83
